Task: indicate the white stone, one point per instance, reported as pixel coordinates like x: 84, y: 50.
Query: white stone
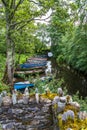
x: 26, y: 92
x: 63, y: 99
x: 56, y: 99
x: 61, y: 106
x: 68, y: 114
x: 75, y: 104
x: 37, y: 97
x: 14, y: 98
x: 6, y: 100
x: 60, y: 91
x: 20, y: 101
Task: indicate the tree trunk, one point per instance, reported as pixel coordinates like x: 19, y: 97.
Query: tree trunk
x: 9, y: 71
x: 10, y: 60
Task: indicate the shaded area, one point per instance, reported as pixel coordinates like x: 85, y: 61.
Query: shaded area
x: 74, y: 81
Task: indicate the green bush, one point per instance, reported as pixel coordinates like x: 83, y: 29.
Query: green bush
x: 81, y: 101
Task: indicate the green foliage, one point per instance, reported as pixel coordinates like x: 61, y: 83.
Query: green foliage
x: 4, y: 87
x: 52, y: 84
x: 2, y: 65
x: 73, y: 49
x: 68, y: 32
x: 81, y: 101
x: 2, y: 68
x: 59, y: 24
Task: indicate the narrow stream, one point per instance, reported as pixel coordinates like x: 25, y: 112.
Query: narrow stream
x: 73, y: 81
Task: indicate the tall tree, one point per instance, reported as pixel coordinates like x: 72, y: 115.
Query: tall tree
x: 19, y: 13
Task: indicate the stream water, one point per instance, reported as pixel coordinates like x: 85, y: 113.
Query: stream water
x: 73, y: 81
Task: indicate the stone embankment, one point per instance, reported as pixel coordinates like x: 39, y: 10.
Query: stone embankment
x: 31, y: 116
x: 48, y: 111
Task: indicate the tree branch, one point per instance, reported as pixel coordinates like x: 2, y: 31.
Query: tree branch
x: 23, y: 21
x: 20, y: 2
x: 26, y: 22
x: 12, y: 4
x: 33, y: 2
x: 15, y: 7
x: 3, y: 1
x: 37, y: 3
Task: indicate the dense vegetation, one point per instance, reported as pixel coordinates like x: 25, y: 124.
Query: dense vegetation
x: 68, y: 32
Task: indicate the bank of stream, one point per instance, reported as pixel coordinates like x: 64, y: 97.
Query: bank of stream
x: 74, y: 81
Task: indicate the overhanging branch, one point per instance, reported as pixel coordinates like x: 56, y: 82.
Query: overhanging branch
x: 12, y: 5
x: 20, y: 2
x: 29, y: 20
x: 38, y: 3
x: 23, y: 21
x: 32, y: 1
x: 15, y: 7
x: 4, y: 2
x: 32, y: 19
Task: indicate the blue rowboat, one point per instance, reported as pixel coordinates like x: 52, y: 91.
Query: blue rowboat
x: 22, y: 85
x: 27, y: 65
x: 36, y: 61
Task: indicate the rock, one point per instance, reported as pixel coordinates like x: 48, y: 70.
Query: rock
x: 20, y: 101
x: 69, y: 114
x: 26, y: 92
x: 59, y: 99
x: 75, y: 105
x: 68, y: 99
x: 25, y: 100
x: 60, y: 92
x: 45, y: 100
x: 4, y: 93
x: 63, y: 99
x: 32, y: 99
x: 37, y: 97
x: 6, y: 101
x: 14, y: 98
x: 23, y: 116
x: 17, y: 111
x: 82, y: 115
x: 45, y: 109
x: 56, y: 99
x: 61, y: 107
x: 9, y: 126
x: 35, y: 122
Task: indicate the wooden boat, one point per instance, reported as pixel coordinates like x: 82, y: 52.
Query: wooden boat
x: 22, y: 85
x: 29, y: 65
x: 29, y: 71
x: 41, y: 56
x: 37, y: 59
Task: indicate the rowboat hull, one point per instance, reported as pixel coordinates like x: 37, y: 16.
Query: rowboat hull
x: 29, y: 71
x: 27, y: 65
x: 22, y: 85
